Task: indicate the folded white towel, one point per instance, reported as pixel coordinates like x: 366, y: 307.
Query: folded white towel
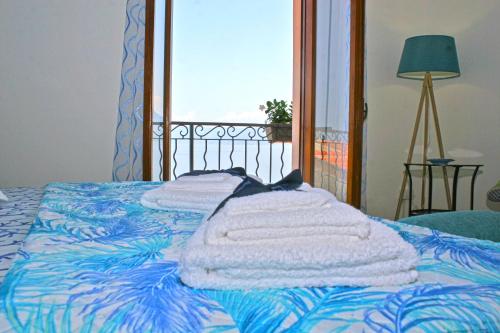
x: 228, y: 185
x: 278, y: 201
x: 383, y: 259
x: 393, y: 266
x: 285, y: 235
x: 191, y: 201
x: 174, y: 204
x: 203, y: 279
x: 185, y: 194
x: 209, y: 177
x: 336, y: 220
x: 382, y: 244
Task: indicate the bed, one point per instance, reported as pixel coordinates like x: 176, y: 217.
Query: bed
x: 16, y: 217
x: 96, y: 260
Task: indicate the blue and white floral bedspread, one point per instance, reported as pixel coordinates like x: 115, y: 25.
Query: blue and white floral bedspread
x: 95, y: 260
x: 16, y: 217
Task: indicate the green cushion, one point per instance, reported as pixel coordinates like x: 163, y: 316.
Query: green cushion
x: 473, y: 223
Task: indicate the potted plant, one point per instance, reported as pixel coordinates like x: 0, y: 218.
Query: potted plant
x: 279, y: 116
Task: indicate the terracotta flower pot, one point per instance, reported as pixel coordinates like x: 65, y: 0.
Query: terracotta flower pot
x: 279, y: 133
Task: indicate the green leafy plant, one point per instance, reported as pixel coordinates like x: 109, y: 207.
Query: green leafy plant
x: 278, y: 112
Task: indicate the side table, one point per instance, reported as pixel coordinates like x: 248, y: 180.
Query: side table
x: 430, y: 166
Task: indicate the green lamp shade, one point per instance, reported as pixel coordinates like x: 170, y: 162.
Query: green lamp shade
x: 434, y: 54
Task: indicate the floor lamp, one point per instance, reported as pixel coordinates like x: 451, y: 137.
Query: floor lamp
x: 427, y: 58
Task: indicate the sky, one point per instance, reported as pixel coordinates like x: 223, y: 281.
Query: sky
x: 228, y: 57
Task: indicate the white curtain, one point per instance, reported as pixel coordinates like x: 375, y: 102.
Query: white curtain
x: 332, y: 95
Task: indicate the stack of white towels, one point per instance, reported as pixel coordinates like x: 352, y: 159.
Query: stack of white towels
x: 300, y: 238
x: 199, y: 193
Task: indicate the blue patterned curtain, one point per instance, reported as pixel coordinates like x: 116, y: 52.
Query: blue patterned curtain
x: 127, y: 162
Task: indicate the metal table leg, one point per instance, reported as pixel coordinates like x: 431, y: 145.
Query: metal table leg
x: 430, y: 188
x: 410, y: 183
x: 455, y: 185
x: 472, y: 183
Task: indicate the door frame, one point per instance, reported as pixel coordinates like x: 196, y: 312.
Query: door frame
x: 356, y: 103
x: 167, y: 90
x: 304, y: 87
x: 147, y: 125
x: 147, y: 130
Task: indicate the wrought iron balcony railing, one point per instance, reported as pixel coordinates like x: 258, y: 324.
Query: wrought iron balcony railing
x: 262, y: 149
x: 330, y: 163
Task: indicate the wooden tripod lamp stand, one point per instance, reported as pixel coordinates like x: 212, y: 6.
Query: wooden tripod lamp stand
x: 427, y: 58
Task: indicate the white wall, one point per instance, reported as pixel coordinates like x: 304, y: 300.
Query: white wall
x: 469, y: 106
x: 60, y: 65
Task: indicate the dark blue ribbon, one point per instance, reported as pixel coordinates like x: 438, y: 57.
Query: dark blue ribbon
x: 251, y: 186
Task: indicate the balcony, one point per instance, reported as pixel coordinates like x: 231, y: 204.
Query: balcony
x: 262, y: 149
